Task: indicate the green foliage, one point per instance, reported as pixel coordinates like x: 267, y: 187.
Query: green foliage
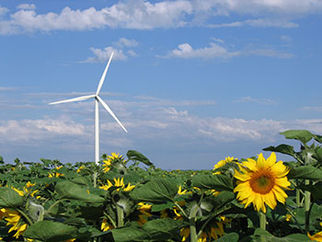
x: 302, y: 135
x: 262, y: 235
x: 231, y: 237
x: 218, y: 182
x: 283, y: 148
x: 306, y: 172
x: 156, y: 190
x: 70, y: 190
x: 137, y: 156
x: 59, y: 201
x: 10, y: 198
x: 50, y: 231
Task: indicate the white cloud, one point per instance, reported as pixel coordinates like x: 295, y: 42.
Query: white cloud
x: 249, y: 99
x: 7, y: 88
x: 214, y: 50
x: 102, y: 55
x: 286, y: 38
x: 124, y: 42
x: 40, y: 129
x: 154, y: 125
x: 281, y: 23
x: 121, y: 51
x: 269, y: 6
x: 186, y: 51
x: 141, y: 14
x: 137, y: 14
x: 218, y: 40
x: 153, y: 122
x: 3, y: 11
x: 26, y: 6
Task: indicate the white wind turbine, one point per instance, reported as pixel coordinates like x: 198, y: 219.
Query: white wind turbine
x: 98, y: 100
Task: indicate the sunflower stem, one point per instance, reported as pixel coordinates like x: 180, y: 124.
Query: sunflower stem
x: 193, y: 233
x: 25, y: 216
x: 111, y: 220
x: 120, y: 216
x: 262, y: 220
x: 307, y: 205
x: 262, y: 224
x: 95, y: 179
x: 192, y: 218
x: 298, y: 198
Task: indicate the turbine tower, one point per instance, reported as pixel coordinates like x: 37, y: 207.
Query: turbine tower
x: 97, y: 100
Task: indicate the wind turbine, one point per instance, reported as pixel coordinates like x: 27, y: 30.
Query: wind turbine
x: 98, y: 100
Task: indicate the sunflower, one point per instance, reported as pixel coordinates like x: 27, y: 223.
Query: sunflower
x: 315, y: 237
x: 184, y: 233
x: 80, y: 168
x: 221, y: 163
x: 181, y: 191
x: 26, y: 190
x: 55, y: 173
x: 145, y: 210
x: 214, y: 232
x: 118, y: 183
x: 14, y: 218
x: 106, y: 225
x: 262, y: 182
x: 107, y: 164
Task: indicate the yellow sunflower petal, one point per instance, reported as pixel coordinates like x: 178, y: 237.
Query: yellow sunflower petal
x: 270, y: 161
x: 262, y: 182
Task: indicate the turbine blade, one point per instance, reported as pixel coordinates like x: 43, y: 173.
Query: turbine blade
x: 100, y: 84
x: 110, y: 112
x: 82, y: 98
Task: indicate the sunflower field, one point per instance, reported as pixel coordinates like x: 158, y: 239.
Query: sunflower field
x: 126, y: 198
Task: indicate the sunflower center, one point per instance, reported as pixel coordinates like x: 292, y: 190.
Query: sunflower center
x: 262, y: 182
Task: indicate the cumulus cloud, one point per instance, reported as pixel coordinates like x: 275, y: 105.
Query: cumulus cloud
x: 124, y: 42
x: 40, y: 129
x: 279, y: 22
x: 214, y: 50
x: 26, y: 6
x: 102, y: 55
x: 141, y: 14
x: 130, y: 14
x: 3, y: 11
x: 186, y: 51
x: 121, y: 51
x: 154, y: 125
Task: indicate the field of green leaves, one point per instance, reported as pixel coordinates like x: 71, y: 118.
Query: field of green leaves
x: 126, y: 198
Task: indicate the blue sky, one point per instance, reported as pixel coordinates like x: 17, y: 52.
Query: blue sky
x: 192, y: 81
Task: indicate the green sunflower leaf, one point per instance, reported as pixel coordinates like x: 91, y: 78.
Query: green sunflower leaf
x: 162, y: 229
x: 10, y: 198
x: 217, y: 182
x: 263, y: 235
x: 157, y: 190
x: 302, y: 135
x: 283, y: 148
x: 137, y: 156
x: 231, y: 237
x: 50, y: 231
x: 70, y: 190
x: 305, y: 172
x: 129, y: 233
